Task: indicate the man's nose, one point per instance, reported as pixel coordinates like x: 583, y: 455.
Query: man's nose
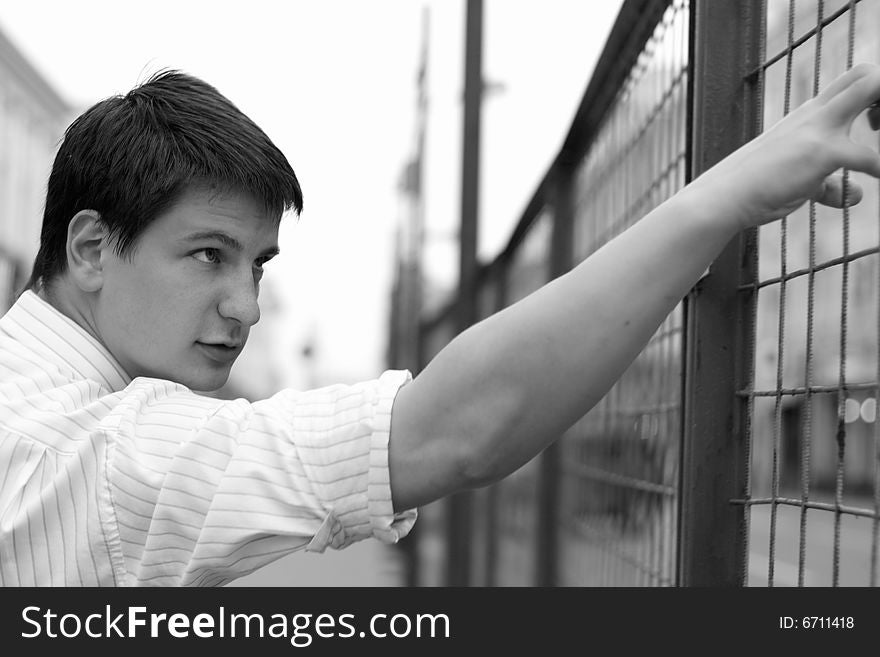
x: 240, y: 301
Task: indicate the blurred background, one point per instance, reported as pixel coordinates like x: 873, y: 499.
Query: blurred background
x: 457, y: 154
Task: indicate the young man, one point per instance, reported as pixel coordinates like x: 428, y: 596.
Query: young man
x: 161, y: 209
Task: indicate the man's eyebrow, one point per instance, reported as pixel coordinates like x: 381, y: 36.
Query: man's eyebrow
x: 227, y: 240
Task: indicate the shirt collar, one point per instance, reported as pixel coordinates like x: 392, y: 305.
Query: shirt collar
x: 39, y: 326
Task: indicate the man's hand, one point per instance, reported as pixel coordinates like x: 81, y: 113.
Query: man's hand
x: 792, y: 162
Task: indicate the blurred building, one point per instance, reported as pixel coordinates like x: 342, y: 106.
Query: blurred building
x: 33, y: 117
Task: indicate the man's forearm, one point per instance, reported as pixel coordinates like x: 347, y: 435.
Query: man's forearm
x: 511, y: 384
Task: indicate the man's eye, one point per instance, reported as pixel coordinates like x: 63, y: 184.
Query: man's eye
x: 209, y: 255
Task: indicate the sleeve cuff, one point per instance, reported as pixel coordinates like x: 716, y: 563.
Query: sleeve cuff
x: 387, y: 526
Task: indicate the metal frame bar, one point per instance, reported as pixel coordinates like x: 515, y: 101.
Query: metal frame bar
x: 712, y: 536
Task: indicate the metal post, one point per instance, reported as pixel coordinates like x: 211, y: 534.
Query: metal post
x: 461, y: 504
x: 492, y: 502
x: 410, y: 349
x: 712, y: 531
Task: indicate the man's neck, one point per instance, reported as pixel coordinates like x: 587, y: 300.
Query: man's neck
x: 70, y: 304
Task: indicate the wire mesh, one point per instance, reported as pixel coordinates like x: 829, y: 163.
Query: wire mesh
x: 814, y: 488
x: 620, y: 462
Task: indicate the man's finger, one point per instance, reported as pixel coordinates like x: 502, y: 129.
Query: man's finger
x: 834, y: 195
x: 842, y: 82
x: 861, y: 158
x: 857, y: 96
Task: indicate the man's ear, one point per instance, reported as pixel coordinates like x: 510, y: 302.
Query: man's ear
x: 87, y: 238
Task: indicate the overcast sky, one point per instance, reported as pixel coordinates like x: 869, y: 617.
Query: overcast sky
x: 332, y: 82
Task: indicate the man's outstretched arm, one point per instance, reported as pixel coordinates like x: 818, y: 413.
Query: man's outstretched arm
x: 501, y: 391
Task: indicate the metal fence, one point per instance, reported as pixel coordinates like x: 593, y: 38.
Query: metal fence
x: 742, y: 446
x: 813, y: 491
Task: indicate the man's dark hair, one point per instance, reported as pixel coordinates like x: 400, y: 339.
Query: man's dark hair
x: 129, y: 158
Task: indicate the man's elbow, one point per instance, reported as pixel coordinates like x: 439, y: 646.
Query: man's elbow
x: 494, y: 447
x: 480, y: 468
x: 451, y: 438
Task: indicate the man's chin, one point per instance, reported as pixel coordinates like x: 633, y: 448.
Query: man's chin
x: 210, y: 380
x: 212, y: 383
x: 214, y: 387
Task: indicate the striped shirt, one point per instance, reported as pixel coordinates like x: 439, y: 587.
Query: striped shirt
x: 108, y: 481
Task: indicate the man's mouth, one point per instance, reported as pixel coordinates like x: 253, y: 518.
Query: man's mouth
x: 221, y: 352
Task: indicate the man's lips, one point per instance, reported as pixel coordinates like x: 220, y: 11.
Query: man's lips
x: 221, y: 352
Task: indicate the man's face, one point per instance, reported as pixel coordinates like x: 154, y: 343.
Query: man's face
x: 180, y: 307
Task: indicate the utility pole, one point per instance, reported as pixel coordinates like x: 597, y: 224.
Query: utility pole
x: 460, y: 505
x: 407, y: 320
x: 418, y: 215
